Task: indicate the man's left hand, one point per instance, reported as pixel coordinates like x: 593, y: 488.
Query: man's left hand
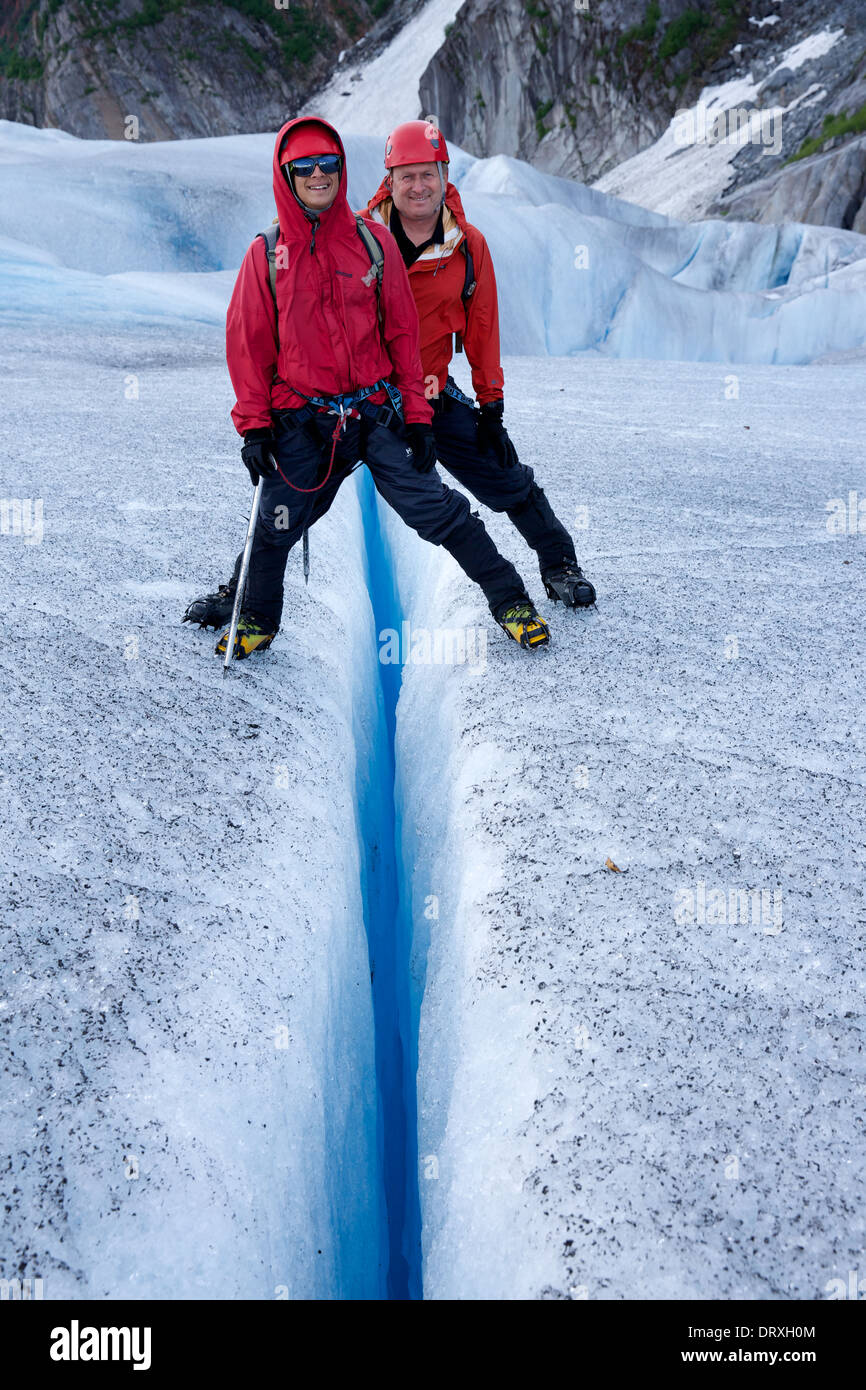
x: 491, y: 434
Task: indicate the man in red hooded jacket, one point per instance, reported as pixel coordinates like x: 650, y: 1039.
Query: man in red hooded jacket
x: 451, y: 275
x: 309, y: 363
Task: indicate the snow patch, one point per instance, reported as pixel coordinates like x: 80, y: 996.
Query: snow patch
x: 681, y: 176
x: 378, y: 95
x: 808, y: 49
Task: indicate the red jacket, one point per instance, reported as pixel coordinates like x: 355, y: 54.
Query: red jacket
x: 329, y: 336
x: 437, y: 279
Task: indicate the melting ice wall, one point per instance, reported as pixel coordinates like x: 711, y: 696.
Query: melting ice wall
x: 578, y: 271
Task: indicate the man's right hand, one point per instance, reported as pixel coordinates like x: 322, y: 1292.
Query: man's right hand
x: 422, y: 442
x: 257, y: 455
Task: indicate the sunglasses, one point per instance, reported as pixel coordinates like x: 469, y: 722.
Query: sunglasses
x: 328, y: 164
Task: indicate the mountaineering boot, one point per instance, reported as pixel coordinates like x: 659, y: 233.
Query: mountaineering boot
x: 521, y: 622
x: 214, y: 610
x: 252, y: 636
x: 569, y: 583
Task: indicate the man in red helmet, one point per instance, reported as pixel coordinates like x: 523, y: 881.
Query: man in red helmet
x: 451, y: 275
x: 309, y: 354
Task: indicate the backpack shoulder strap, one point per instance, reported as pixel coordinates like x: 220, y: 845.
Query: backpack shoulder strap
x: 469, y: 281
x: 269, y: 237
x: 377, y: 258
x: 469, y: 286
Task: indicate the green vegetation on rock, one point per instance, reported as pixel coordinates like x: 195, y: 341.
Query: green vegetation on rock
x: 680, y: 31
x: 641, y: 33
x: 298, y: 35
x: 542, y: 111
x: 542, y: 33
x: 17, y: 68
x: 704, y: 36
x: 833, y: 126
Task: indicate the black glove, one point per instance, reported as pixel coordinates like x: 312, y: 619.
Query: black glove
x: 256, y: 454
x: 422, y: 442
x: 491, y: 434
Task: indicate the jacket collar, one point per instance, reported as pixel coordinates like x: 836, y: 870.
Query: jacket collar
x: 453, y: 221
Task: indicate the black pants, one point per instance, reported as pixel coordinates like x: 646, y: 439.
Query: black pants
x: 438, y: 513
x: 510, y: 490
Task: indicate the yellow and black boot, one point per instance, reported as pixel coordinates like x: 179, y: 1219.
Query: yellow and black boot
x: 252, y: 636
x: 521, y: 622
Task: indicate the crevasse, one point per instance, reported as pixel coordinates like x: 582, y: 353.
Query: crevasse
x: 386, y: 899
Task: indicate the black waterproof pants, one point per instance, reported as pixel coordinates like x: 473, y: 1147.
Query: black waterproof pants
x: 510, y: 490
x: 438, y: 513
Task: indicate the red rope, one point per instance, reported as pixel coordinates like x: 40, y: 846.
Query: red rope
x: 334, y: 441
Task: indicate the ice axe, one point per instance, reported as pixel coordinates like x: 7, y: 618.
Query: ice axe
x: 242, y: 576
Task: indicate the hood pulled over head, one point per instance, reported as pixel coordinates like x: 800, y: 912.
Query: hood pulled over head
x: 305, y: 136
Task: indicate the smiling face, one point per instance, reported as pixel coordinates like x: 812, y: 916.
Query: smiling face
x: 417, y: 191
x: 316, y: 191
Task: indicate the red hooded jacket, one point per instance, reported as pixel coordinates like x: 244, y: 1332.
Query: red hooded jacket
x: 437, y: 279
x: 330, y: 340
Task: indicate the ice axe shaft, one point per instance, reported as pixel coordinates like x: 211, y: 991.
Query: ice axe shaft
x: 242, y: 576
x: 306, y: 556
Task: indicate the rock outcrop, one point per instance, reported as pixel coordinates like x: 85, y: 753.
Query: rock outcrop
x: 828, y: 190
x: 577, y: 90
x: 179, y: 67
x: 573, y: 87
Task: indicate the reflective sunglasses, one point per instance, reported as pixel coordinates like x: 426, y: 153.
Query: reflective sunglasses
x: 328, y: 164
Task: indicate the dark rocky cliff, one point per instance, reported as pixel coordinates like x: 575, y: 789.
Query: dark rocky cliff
x: 181, y: 67
x: 574, y: 90
x: 577, y: 90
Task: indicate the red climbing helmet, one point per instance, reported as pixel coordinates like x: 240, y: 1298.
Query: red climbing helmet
x: 416, y: 142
